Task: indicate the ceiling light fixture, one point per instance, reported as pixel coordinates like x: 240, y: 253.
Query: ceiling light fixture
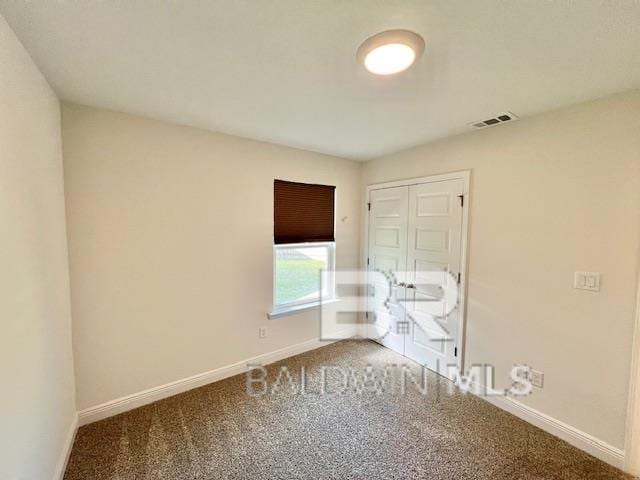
x: 390, y: 52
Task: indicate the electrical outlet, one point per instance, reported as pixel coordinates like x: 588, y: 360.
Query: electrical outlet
x: 262, y: 332
x: 537, y: 378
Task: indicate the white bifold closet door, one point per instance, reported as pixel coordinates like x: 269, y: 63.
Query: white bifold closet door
x: 416, y: 229
x: 388, y: 254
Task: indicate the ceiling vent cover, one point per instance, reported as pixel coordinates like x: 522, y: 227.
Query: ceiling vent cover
x: 497, y: 120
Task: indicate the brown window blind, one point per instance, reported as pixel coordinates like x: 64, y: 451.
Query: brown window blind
x: 303, y: 212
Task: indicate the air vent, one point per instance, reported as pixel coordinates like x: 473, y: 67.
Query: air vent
x: 497, y: 120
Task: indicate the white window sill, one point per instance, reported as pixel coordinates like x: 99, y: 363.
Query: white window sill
x: 285, y: 311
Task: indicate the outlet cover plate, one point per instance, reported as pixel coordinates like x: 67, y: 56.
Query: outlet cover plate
x: 537, y: 378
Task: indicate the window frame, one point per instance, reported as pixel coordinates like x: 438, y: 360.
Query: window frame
x: 308, y: 302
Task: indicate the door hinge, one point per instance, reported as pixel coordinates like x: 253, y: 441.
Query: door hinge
x: 366, y: 315
x: 461, y: 197
x: 455, y: 351
x: 367, y: 260
x: 459, y: 278
x: 369, y: 206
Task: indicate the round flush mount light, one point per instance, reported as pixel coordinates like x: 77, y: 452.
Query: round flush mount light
x: 390, y: 52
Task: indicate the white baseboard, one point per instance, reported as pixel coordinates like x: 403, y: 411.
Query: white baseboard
x: 135, y: 400
x: 61, y: 467
x: 579, y: 439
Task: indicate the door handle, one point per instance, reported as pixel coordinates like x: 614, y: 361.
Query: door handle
x: 401, y: 284
x: 411, y: 285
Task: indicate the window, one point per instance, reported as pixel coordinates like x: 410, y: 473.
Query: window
x: 304, y: 244
x: 303, y: 273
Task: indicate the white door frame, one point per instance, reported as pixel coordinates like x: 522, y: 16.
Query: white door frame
x: 465, y: 176
x: 632, y: 428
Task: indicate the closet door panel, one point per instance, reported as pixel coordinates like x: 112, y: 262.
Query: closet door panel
x: 433, y: 252
x: 387, y: 256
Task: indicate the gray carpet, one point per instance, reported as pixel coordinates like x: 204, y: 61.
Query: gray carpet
x: 220, y: 432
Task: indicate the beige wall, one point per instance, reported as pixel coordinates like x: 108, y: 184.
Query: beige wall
x: 170, y: 240
x: 551, y: 195
x: 37, y: 405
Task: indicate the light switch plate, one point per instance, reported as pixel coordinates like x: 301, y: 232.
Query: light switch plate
x: 587, y: 281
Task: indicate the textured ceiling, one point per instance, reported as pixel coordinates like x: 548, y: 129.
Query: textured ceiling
x: 284, y: 71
